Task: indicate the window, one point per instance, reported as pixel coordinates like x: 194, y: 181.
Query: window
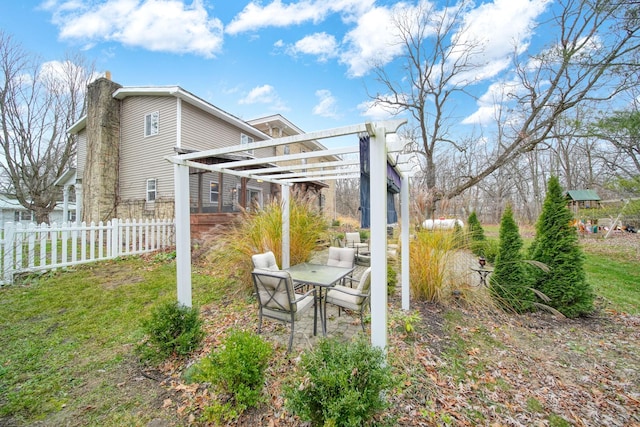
x: 246, y: 139
x: 151, y: 190
x: 213, y: 192
x: 22, y: 216
x: 286, y: 149
x: 71, y: 216
x: 151, y: 124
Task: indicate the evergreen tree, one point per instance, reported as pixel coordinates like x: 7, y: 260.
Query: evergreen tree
x: 476, y: 235
x: 509, y: 284
x: 556, y: 245
x: 476, y: 232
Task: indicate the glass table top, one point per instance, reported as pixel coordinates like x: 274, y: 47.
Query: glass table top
x: 318, y: 274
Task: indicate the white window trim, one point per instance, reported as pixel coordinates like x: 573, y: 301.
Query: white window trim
x: 246, y: 139
x: 149, y: 120
x: 211, y: 193
x: 154, y: 191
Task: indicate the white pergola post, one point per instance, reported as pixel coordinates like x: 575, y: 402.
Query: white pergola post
x: 183, y: 233
x: 286, y: 241
x: 404, y: 239
x: 378, y: 236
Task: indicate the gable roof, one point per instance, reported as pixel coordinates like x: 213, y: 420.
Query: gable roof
x: 583, y: 195
x: 178, y: 92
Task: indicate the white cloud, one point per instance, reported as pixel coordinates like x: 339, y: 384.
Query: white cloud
x: 255, y: 16
x: 265, y: 94
x: 497, y: 96
x: 157, y: 25
x: 377, y: 111
x: 372, y: 42
x: 322, y: 45
x: 326, y: 106
x: 498, y: 28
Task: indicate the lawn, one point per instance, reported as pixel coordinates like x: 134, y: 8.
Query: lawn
x: 68, y: 339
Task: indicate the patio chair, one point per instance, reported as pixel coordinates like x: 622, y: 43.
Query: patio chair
x: 265, y: 261
x: 278, y: 300
x: 342, y: 257
x: 355, y: 299
x: 353, y: 241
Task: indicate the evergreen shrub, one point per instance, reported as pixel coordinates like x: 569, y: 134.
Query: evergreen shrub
x: 340, y: 384
x: 172, y: 329
x: 556, y: 245
x: 237, y: 370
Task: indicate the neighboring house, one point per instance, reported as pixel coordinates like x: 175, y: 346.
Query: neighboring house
x: 12, y: 211
x: 123, y: 141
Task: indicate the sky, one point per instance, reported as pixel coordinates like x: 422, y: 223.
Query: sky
x: 309, y: 60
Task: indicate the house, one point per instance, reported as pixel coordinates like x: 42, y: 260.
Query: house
x: 12, y: 211
x: 126, y: 135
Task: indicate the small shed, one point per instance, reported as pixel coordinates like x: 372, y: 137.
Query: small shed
x: 582, y: 199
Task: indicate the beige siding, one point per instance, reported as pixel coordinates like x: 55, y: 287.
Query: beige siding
x: 202, y: 131
x: 141, y: 157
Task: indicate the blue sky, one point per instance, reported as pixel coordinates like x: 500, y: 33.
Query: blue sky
x: 309, y: 60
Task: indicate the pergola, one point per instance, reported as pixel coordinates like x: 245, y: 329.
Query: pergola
x: 267, y: 169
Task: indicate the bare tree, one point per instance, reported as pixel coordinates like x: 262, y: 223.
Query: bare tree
x: 591, y: 59
x: 38, y: 103
x: 432, y: 70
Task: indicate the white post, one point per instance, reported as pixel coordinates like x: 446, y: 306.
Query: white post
x: 78, y: 188
x: 286, y: 238
x: 404, y: 239
x: 8, y: 265
x: 65, y: 204
x: 183, y: 234
x: 378, y: 237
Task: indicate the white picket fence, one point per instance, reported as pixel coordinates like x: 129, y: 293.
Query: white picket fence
x: 48, y: 246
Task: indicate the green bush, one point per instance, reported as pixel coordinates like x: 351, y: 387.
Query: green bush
x: 475, y: 230
x: 556, y: 246
x: 172, y: 329
x: 342, y: 384
x: 509, y: 283
x: 237, y: 370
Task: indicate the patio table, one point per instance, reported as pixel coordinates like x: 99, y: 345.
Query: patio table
x: 321, y: 276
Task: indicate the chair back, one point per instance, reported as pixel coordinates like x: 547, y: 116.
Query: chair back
x: 364, y: 286
x: 352, y: 238
x: 341, y: 257
x: 265, y: 261
x: 274, y: 290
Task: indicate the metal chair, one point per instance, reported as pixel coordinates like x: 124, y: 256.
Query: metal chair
x: 342, y: 257
x: 265, y: 261
x: 355, y: 299
x: 278, y: 300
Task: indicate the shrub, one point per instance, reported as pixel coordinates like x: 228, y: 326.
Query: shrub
x: 172, y: 329
x: 556, y: 245
x: 474, y: 228
x: 342, y: 384
x: 430, y: 256
x: 509, y: 283
x: 237, y: 370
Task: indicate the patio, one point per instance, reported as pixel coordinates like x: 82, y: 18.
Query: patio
x: 343, y: 327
